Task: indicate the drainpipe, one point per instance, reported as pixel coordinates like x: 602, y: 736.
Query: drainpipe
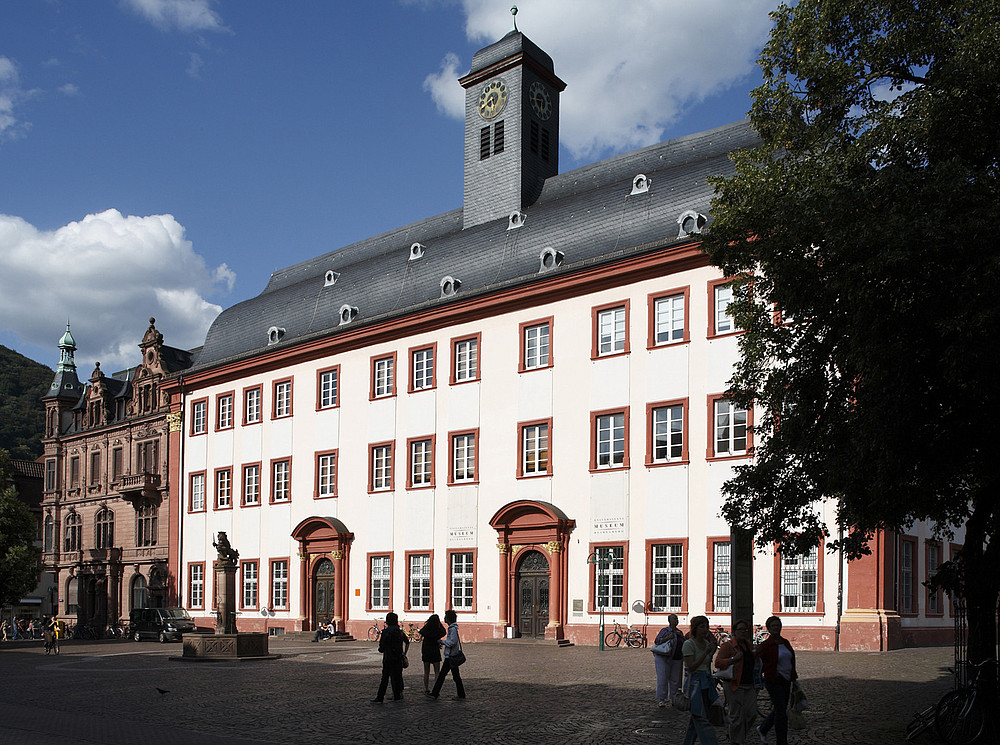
x: 840, y: 588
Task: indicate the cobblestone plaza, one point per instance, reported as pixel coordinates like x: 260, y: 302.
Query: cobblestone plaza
x: 316, y: 694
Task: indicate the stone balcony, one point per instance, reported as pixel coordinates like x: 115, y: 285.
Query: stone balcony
x: 136, y: 486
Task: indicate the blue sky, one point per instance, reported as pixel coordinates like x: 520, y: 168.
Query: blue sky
x: 163, y: 157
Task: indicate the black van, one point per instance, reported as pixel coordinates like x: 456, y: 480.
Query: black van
x: 164, y: 624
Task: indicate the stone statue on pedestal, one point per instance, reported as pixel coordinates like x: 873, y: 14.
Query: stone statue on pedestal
x: 225, y: 585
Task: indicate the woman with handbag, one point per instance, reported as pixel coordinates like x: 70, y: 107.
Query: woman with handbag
x: 735, y: 665
x: 453, y: 658
x: 698, y: 652
x: 430, y: 648
x: 668, y: 658
x: 778, y: 666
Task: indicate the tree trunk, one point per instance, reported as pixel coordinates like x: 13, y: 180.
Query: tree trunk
x: 981, y: 557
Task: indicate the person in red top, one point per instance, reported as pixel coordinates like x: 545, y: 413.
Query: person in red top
x: 741, y: 698
x: 778, y: 667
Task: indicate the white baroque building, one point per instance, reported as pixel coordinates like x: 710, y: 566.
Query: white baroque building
x: 466, y: 412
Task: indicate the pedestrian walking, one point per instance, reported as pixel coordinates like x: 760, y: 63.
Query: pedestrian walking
x: 670, y: 666
x: 452, y: 648
x: 430, y: 648
x: 393, y: 645
x: 737, y: 656
x: 778, y: 667
x: 698, y: 652
x: 3, y: 629
x: 50, y: 628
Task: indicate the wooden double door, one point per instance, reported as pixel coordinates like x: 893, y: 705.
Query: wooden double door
x: 533, y: 594
x: 324, y: 592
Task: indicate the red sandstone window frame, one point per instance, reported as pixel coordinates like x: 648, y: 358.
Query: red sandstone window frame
x: 594, y: 416
x: 521, y: 427
x: 221, y: 425
x: 271, y: 497
x: 477, y: 448
x: 410, y: 442
x: 685, y: 556
x: 914, y: 611
x: 685, y: 457
x: 453, y: 363
x: 243, y: 484
x: 595, y: 339
x: 712, y: 285
x: 368, y: 598
x: 407, y: 605
x: 651, y: 301
x: 820, y: 609
x: 411, y: 354
x: 710, y: 454
x: 335, y: 369
x: 320, y: 455
x: 374, y: 361
x: 592, y: 578
x: 522, y: 332
x: 475, y: 579
x: 939, y: 593
x: 711, y: 542
x: 243, y: 580
x: 271, y: 584
x: 391, y: 444
x: 197, y: 428
x: 190, y: 585
x: 216, y: 488
x: 204, y: 491
x: 260, y: 404
x: 275, y: 414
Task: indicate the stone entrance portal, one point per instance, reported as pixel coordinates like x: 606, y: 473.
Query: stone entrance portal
x: 533, y: 595
x: 324, y: 591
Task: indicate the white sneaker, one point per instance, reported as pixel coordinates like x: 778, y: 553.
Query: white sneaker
x: 661, y: 703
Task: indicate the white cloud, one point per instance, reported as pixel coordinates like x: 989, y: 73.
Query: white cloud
x: 630, y: 68
x: 107, y: 274
x: 68, y: 89
x: 183, y: 15
x: 10, y: 95
x: 195, y: 64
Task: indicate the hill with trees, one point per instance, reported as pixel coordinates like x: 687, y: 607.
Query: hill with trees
x: 23, y: 382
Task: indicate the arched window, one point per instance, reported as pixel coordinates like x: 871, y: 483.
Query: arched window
x: 74, y: 532
x: 145, y: 525
x: 104, y: 528
x: 140, y: 595
x: 50, y: 525
x: 72, y: 596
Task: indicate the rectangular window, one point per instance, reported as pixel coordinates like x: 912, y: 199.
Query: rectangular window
x: 281, y: 480
x: 669, y: 319
x: 730, y: 429
x: 224, y: 411
x: 421, y: 471
x: 535, y: 346
x: 422, y: 367
x: 610, y: 332
x: 462, y: 580
x: 251, y: 405
x: 934, y: 607
x: 146, y: 525
x: 907, y: 592
x: 279, y: 584
x: 326, y: 475
x: 799, y: 582
x: 196, y: 585
x: 534, y: 450
x: 608, y: 432
x: 466, y: 360
x: 95, y: 468
x: 380, y: 582
x: 197, y: 503
x: 282, y: 399
x: 249, y: 594
x: 419, y: 592
x: 146, y: 457
x: 667, y: 580
x: 484, y: 143
x: 666, y: 433
x: 199, y: 417
x: 721, y: 582
x: 223, y: 488
x: 50, y: 473
x: 327, y: 387
x: 463, y: 457
x: 381, y: 467
x: 383, y: 377
x: 251, y: 484
x: 117, y: 463
x: 609, y: 578
x: 723, y: 297
x: 74, y: 471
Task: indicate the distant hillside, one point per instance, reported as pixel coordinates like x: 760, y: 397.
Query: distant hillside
x: 23, y: 382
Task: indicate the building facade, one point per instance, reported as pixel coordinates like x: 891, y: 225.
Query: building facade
x: 515, y: 410
x: 106, y: 504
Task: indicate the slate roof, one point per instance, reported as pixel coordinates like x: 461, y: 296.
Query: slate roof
x: 588, y: 214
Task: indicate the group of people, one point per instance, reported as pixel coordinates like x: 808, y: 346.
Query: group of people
x: 394, y: 646
x: 46, y: 627
x: 772, y: 662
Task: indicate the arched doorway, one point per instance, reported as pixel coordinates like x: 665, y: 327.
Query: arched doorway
x: 532, y: 595
x: 324, y: 591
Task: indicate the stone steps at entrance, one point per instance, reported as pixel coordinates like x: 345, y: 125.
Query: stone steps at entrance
x: 526, y: 640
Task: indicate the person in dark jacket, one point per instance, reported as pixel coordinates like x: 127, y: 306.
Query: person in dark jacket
x: 741, y: 696
x: 778, y: 667
x: 393, y: 645
x: 430, y: 648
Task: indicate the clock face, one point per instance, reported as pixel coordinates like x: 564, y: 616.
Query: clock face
x: 492, y: 99
x: 541, y: 101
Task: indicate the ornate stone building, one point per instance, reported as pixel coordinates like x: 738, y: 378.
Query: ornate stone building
x: 106, y: 504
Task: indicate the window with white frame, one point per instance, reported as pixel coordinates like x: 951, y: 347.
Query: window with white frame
x: 381, y: 576
x: 197, y: 492
x: 611, y: 331
x: 535, y: 449
x: 224, y: 411
x: 249, y: 584
x: 668, y: 433
x: 199, y: 414
x: 668, y: 576
x: 668, y: 319
x: 422, y: 363
x: 609, y: 577
x: 251, y: 405
x: 329, y: 381
x: 283, y: 399
x: 279, y: 584
x: 196, y: 586
x: 799, y: 582
x: 536, y: 346
x: 421, y: 462
x: 381, y: 467
x: 609, y: 432
x: 462, y: 580
x: 281, y: 481
x: 224, y: 488
x: 723, y: 297
x: 251, y: 484
x: 463, y: 457
x: 721, y: 553
x: 466, y: 360
x: 906, y: 577
x: 383, y: 372
x: 326, y: 475
x: 730, y: 428
x: 420, y: 581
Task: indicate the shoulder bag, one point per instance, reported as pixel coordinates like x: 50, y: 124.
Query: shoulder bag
x: 666, y: 649
x: 457, y: 658
x: 682, y: 699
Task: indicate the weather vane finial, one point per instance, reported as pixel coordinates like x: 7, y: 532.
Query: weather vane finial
x: 513, y: 12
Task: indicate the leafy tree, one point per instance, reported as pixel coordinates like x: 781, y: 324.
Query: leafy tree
x: 23, y: 382
x: 18, y: 553
x: 869, y: 216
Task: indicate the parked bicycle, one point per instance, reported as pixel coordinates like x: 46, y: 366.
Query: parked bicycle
x: 759, y: 634
x: 721, y: 635
x: 631, y: 637
x: 374, y: 632
x: 412, y: 632
x: 960, y: 716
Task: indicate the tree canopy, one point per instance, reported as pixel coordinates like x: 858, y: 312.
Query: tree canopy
x: 23, y: 382
x: 864, y: 233
x: 18, y: 553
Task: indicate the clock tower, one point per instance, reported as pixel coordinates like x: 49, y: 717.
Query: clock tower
x: 511, y: 128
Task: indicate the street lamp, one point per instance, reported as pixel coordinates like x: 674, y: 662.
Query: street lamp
x: 602, y: 561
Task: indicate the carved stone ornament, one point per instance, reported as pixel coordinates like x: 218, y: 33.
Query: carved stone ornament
x: 503, y: 547
x: 303, y: 556
x: 175, y: 420
x: 515, y: 548
x: 554, y: 547
x: 337, y: 555
x: 227, y: 554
